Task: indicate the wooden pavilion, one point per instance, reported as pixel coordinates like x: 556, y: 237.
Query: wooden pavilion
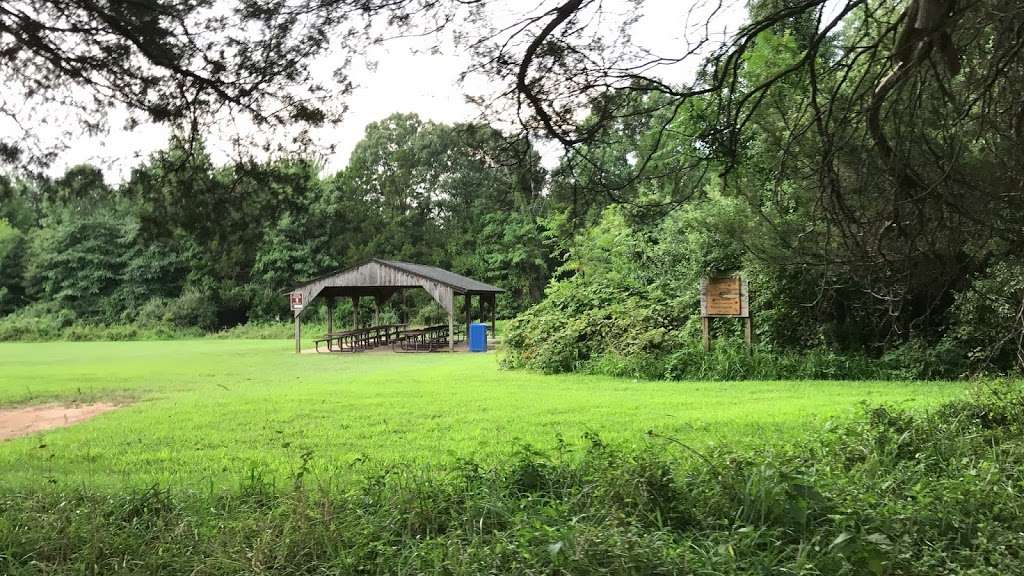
x: 382, y: 279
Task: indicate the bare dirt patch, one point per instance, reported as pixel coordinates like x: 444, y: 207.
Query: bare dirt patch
x: 16, y: 422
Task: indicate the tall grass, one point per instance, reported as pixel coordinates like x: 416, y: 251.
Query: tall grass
x: 891, y: 493
x: 34, y: 329
x: 731, y: 360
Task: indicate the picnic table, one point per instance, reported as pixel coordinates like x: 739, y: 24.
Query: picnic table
x: 360, y: 339
x: 426, y: 339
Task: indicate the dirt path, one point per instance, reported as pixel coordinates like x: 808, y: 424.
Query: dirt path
x: 16, y: 422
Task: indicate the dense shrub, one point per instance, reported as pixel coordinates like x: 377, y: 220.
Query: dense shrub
x: 731, y: 360
x: 41, y: 321
x: 989, y: 317
x: 268, y: 330
x: 890, y: 493
x: 191, y: 309
x: 25, y: 327
x: 48, y: 321
x: 626, y: 303
x: 620, y: 292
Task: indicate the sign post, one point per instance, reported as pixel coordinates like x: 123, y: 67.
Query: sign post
x: 295, y: 299
x: 725, y: 297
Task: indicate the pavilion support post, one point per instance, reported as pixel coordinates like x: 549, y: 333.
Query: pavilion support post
x: 494, y: 314
x: 468, y: 305
x: 330, y: 320
x: 298, y: 334
x: 451, y: 329
x: 376, y: 311
x: 355, y: 312
x: 404, y: 317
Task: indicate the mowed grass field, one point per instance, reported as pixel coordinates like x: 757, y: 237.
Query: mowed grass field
x: 209, y: 413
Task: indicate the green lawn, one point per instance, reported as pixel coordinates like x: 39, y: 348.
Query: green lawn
x: 207, y: 412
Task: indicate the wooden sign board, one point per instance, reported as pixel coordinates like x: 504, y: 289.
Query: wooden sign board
x: 724, y: 297
x: 296, y: 301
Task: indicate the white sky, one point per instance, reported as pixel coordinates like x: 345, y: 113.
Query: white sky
x: 402, y: 81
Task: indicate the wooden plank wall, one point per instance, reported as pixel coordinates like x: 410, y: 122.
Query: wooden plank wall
x: 377, y: 274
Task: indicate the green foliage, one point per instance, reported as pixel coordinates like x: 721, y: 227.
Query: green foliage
x: 989, y: 317
x: 75, y: 261
x: 36, y: 322
x: 463, y: 197
x: 626, y: 297
x: 12, y: 246
x: 19, y: 202
x: 861, y: 262
x: 890, y: 493
x: 266, y: 331
x: 45, y: 322
x: 627, y: 304
x: 191, y: 309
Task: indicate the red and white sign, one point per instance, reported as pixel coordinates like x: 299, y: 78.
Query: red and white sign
x: 296, y: 298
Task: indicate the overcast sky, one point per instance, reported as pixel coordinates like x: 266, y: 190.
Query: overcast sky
x: 401, y: 81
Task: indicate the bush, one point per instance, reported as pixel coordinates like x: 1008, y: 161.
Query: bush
x: 190, y: 310
x: 989, y: 319
x: 76, y: 261
x: 42, y: 322
x: 268, y: 330
x: 36, y: 322
x: 22, y: 329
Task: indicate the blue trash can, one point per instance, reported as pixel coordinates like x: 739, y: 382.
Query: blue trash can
x: 477, y: 337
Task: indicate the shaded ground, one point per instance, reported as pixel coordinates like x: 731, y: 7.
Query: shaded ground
x: 16, y: 422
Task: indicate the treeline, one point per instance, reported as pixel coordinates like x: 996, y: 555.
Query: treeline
x: 186, y: 246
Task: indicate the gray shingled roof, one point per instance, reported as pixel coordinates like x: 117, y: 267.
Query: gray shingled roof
x: 457, y: 281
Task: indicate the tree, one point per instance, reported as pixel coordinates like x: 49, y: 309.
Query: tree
x: 464, y: 197
x: 76, y: 262
x: 180, y: 62
x: 184, y: 63
x: 12, y: 246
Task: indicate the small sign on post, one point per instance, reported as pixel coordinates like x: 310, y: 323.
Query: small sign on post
x: 725, y: 297
x: 296, y: 301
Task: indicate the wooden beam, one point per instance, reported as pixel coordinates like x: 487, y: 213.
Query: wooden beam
x: 494, y: 314
x: 468, y: 305
x: 482, y: 303
x: 298, y: 334
x: 451, y: 332
x: 330, y: 319
x: 355, y: 312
